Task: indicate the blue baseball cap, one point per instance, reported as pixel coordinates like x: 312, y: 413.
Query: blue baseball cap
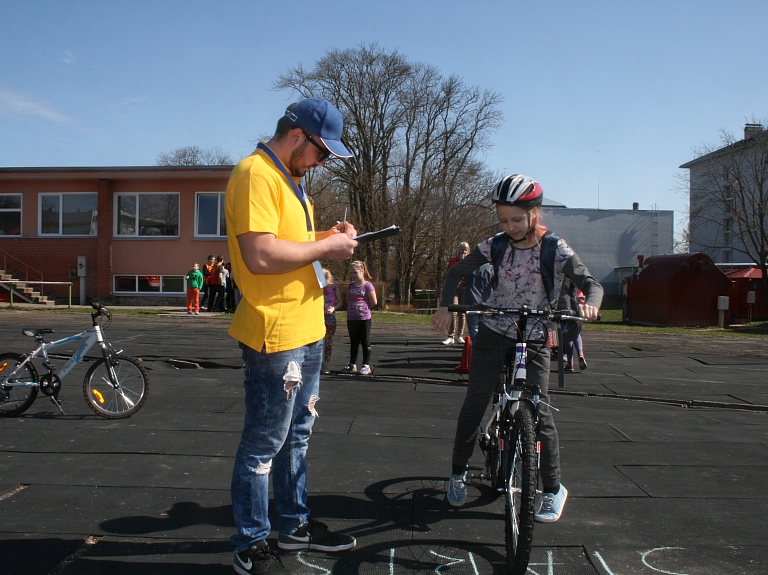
x: 321, y: 119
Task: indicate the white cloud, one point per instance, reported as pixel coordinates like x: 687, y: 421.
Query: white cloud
x: 69, y: 57
x: 15, y: 106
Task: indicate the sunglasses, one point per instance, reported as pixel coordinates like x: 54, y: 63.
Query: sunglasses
x: 324, y: 154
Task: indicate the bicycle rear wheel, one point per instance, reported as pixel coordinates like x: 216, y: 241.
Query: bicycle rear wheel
x: 121, y: 400
x: 15, y: 399
x: 520, y: 475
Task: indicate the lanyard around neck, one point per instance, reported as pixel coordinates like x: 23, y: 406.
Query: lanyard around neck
x: 297, y: 189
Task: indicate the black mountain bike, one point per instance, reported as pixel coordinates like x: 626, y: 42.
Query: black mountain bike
x: 509, y: 438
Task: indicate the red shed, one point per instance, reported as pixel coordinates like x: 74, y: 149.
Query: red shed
x: 745, y: 280
x: 677, y: 290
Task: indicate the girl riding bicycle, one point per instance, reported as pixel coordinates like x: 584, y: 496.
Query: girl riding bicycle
x: 519, y: 283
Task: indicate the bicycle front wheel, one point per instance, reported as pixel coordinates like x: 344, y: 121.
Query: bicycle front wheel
x: 16, y: 399
x: 520, y: 475
x: 121, y: 399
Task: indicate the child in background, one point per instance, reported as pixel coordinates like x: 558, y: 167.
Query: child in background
x: 333, y: 301
x: 194, y: 283
x: 581, y: 299
x: 361, y: 298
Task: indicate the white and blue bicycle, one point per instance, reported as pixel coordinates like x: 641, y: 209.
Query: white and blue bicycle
x: 115, y: 387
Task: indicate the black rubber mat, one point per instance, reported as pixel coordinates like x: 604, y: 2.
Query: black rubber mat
x: 33, y: 554
x: 680, y: 559
x: 643, y: 477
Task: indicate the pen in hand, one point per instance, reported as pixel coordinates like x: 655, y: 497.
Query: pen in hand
x: 344, y: 224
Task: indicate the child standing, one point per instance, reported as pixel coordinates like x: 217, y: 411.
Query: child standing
x: 361, y: 298
x: 332, y: 297
x: 194, y: 283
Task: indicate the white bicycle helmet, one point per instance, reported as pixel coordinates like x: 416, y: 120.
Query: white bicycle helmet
x: 518, y: 190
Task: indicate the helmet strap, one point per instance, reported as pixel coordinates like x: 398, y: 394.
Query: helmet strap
x: 531, y: 229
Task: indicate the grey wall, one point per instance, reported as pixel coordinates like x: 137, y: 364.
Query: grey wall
x: 610, y: 239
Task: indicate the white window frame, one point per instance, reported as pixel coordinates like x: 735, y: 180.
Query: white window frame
x: 20, y: 210
x: 220, y: 209
x: 149, y: 293
x: 138, y: 195
x: 60, y: 195
x: 728, y: 232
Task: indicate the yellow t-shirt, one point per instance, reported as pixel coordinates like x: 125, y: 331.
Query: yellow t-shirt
x: 280, y: 311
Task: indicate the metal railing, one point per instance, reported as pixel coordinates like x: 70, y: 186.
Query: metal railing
x: 11, y: 282
x: 14, y: 266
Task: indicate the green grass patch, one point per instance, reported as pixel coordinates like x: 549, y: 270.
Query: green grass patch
x: 392, y: 317
x: 87, y: 310
x: 611, y: 320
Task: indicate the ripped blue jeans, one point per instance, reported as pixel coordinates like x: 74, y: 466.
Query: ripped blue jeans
x: 281, y: 390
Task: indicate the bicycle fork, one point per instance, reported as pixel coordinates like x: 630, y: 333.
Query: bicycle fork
x: 110, y: 361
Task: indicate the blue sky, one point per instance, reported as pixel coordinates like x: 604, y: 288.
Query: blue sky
x: 609, y: 96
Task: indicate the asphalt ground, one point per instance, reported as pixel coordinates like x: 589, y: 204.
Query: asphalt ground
x: 663, y: 446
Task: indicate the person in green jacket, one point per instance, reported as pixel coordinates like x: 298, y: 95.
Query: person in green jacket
x: 194, y: 283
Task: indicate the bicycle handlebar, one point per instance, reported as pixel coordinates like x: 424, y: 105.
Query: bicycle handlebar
x: 100, y: 310
x: 549, y: 314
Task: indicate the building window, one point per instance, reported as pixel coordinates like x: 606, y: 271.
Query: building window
x: 728, y: 201
x: 728, y: 233
x: 68, y: 214
x: 147, y: 214
x: 149, y: 284
x: 209, y: 214
x: 10, y: 214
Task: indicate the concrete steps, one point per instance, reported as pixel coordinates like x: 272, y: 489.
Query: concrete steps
x: 24, y: 291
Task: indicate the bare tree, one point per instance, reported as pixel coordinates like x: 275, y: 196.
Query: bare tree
x: 195, y: 156
x: 729, y: 196
x: 417, y: 138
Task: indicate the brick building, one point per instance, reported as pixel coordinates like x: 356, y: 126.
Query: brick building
x: 140, y: 229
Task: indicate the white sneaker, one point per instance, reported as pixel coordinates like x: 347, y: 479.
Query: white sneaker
x: 448, y: 341
x: 460, y: 340
x: 551, y: 506
x: 457, y: 491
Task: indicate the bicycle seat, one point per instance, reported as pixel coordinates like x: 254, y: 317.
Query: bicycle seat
x: 35, y: 331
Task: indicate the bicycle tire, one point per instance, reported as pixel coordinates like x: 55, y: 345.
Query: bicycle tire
x: 20, y: 398
x: 118, y: 402
x: 520, y: 476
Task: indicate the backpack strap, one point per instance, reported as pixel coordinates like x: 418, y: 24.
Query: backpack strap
x: 547, y: 262
x: 498, y: 247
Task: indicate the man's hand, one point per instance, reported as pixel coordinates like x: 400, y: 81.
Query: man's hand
x: 441, y: 321
x: 589, y: 312
x: 349, y: 229
x: 339, y: 245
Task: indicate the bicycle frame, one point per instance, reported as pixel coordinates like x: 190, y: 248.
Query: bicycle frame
x: 89, y: 337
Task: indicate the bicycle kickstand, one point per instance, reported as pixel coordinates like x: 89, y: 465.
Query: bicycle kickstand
x: 57, y: 404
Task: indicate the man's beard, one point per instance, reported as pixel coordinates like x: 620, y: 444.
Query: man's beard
x: 294, y: 165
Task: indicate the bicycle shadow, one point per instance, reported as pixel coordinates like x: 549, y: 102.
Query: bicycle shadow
x: 410, y: 504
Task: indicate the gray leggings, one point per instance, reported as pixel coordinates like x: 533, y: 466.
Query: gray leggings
x: 488, y: 352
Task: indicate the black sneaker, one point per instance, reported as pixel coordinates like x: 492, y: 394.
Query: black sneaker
x: 315, y: 535
x: 259, y: 559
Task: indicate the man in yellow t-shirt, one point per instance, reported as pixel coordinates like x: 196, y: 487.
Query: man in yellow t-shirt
x: 279, y: 323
